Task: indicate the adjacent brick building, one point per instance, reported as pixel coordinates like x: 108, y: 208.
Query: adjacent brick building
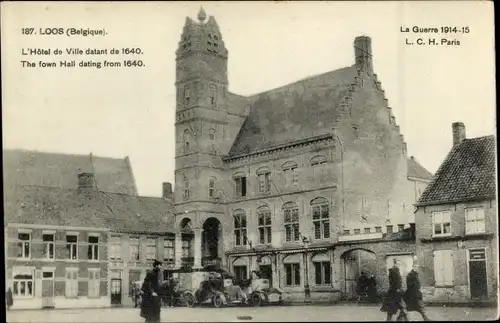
x: 457, y: 224
x: 62, y: 216
x: 272, y: 181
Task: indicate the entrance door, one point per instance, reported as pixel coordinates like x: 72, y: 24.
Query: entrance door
x: 267, y: 272
x: 116, y: 291
x: 47, y: 289
x: 478, y: 281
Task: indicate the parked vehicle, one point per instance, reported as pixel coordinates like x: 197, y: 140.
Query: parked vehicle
x: 260, y: 293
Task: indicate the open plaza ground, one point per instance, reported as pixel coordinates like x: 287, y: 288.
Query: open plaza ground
x: 311, y: 313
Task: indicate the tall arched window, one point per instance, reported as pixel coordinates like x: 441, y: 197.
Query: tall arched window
x: 317, y: 162
x: 240, y: 227
x: 213, y: 95
x: 321, y: 218
x: 291, y: 220
x: 186, y: 138
x: 211, y: 188
x: 187, y: 95
x: 265, y: 231
x: 211, y: 134
x: 264, y: 175
x: 186, y: 188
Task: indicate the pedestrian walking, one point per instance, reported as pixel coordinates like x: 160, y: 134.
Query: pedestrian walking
x: 413, y: 296
x: 9, y: 299
x: 393, y: 301
x: 151, y: 298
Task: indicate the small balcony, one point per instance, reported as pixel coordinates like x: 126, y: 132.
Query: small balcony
x: 211, y: 261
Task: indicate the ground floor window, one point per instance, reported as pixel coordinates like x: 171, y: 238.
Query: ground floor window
x: 23, y: 286
x: 323, y: 273
x: 292, y: 275
x: 240, y: 273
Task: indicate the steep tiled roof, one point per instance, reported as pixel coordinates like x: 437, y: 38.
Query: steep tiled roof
x: 467, y: 173
x: 294, y: 112
x: 416, y: 170
x: 35, y: 168
x: 76, y: 208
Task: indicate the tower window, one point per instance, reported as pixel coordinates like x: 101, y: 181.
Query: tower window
x: 186, y: 188
x: 215, y: 37
x: 355, y: 131
x: 211, y: 134
x: 211, y: 188
x: 187, y: 95
x: 212, y: 94
x: 186, y: 138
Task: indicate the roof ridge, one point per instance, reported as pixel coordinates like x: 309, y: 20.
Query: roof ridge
x: 255, y: 95
x: 23, y: 150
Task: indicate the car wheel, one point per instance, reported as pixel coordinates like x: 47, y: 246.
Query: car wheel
x: 256, y: 300
x: 218, y: 302
x: 189, y: 299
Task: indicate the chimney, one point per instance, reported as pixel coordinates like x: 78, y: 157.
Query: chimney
x: 167, y: 190
x: 458, y: 133
x: 363, y: 54
x: 86, y: 181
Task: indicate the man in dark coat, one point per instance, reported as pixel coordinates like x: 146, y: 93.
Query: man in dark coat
x: 394, y: 298
x: 151, y: 300
x: 9, y: 299
x: 413, y: 296
x: 362, y: 285
x: 371, y: 289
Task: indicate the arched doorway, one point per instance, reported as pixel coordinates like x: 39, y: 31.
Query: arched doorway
x: 357, y: 261
x: 212, y: 248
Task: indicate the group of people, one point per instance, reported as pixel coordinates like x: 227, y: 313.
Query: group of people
x: 367, y: 287
x: 403, y: 301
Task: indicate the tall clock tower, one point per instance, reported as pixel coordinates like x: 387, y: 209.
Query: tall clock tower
x: 201, y: 120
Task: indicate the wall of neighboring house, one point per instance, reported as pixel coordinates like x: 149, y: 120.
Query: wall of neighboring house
x: 455, y: 264
x: 42, y: 277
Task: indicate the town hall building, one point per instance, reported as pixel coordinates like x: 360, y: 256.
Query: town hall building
x: 275, y: 181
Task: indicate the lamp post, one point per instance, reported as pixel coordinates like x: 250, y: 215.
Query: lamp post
x: 307, y: 290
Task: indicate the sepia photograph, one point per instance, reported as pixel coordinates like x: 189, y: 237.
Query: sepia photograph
x: 267, y: 161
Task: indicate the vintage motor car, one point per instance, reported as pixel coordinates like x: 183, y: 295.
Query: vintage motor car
x: 260, y: 293
x: 215, y: 289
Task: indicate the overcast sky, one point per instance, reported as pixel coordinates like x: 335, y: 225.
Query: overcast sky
x: 130, y: 112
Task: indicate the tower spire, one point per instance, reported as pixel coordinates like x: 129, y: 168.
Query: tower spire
x: 202, y: 15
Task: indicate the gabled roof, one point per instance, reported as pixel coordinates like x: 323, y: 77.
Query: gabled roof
x: 467, y: 173
x: 90, y: 208
x: 23, y: 167
x: 416, y: 170
x: 297, y: 111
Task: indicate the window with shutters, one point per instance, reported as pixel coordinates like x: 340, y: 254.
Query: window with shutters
x: 72, y: 246
x: 292, y: 275
x: 115, y: 248
x: 264, y: 224
x: 151, y: 249
x: 475, y: 220
x: 93, y: 248
x: 323, y: 273
x: 48, y: 246
x: 94, y: 283
x: 23, y: 245
x: 443, y: 268
x: 71, y: 283
x: 291, y: 220
x: 240, y: 227
x: 321, y: 218
x: 441, y: 222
